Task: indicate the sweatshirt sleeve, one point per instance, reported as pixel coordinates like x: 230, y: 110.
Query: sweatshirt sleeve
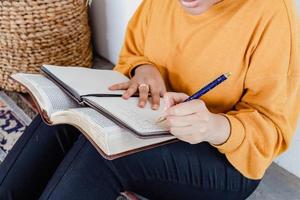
x: 132, y: 52
x: 263, y: 122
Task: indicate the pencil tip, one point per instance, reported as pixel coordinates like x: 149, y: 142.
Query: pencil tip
x: 227, y: 75
x: 161, y: 119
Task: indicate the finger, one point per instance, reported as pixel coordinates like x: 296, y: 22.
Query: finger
x: 143, y: 93
x: 172, y: 98
x: 182, y: 121
x: 119, y: 86
x: 199, y: 129
x: 187, y: 134
x: 181, y: 131
x: 163, y: 91
x: 155, y: 97
x: 130, y: 91
x: 175, y: 97
x: 186, y: 108
x: 168, y: 102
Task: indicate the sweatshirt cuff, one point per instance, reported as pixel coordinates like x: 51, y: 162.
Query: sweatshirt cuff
x: 237, y: 135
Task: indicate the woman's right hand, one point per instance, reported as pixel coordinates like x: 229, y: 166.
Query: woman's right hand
x: 147, y: 79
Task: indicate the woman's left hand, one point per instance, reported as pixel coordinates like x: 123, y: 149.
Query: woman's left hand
x: 192, y: 122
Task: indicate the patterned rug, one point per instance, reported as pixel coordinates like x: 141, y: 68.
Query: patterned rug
x: 13, y: 122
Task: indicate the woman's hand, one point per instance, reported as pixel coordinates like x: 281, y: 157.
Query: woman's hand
x: 192, y: 122
x: 146, y: 79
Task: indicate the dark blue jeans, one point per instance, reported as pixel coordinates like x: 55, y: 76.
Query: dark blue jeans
x: 54, y: 163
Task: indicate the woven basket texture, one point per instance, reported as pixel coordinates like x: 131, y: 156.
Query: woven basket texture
x: 36, y: 32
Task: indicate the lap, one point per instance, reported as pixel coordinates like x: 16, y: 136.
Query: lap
x: 34, y: 158
x: 173, y: 171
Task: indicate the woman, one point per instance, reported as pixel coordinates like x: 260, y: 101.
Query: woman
x: 228, y: 138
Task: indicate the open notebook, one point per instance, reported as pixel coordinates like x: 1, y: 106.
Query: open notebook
x: 90, y: 87
x: 79, y: 82
x: 111, y: 139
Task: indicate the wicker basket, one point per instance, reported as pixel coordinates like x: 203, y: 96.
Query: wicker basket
x: 36, y: 32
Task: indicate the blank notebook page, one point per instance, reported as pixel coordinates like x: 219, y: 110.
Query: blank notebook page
x: 87, y: 81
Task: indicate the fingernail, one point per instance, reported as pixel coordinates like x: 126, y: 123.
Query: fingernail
x: 155, y: 107
x: 141, y: 104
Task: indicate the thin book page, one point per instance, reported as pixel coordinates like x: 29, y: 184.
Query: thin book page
x: 85, y: 81
x: 116, y: 139
x: 51, y: 95
x: 142, y: 120
x: 88, y: 125
x: 97, y: 118
x: 107, y: 135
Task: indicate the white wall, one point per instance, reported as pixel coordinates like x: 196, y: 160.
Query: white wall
x: 110, y: 20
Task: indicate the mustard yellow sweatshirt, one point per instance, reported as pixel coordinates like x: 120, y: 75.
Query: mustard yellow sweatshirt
x: 255, y: 40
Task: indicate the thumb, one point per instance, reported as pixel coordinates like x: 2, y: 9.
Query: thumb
x: 173, y: 98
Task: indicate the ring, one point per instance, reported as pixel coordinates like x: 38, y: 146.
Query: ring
x: 144, y: 85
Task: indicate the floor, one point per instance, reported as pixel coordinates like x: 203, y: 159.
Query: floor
x: 278, y: 184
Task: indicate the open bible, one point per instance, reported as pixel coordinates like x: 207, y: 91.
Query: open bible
x: 110, y: 137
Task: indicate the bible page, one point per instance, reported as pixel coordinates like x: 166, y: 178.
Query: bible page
x: 46, y: 92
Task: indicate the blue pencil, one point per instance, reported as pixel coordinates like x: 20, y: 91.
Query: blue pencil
x: 204, y: 90
x: 209, y: 87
